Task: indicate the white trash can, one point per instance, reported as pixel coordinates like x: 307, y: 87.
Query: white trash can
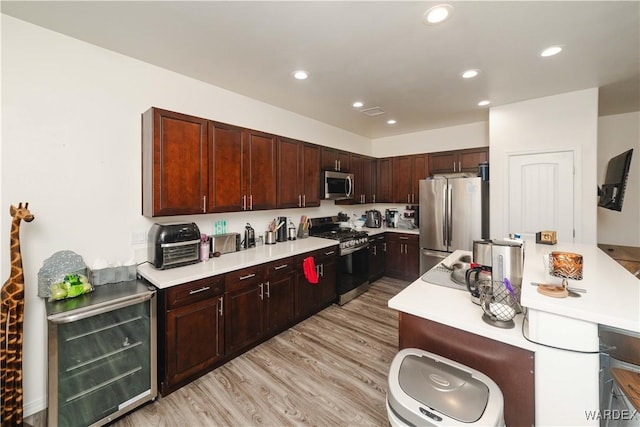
x: 429, y: 390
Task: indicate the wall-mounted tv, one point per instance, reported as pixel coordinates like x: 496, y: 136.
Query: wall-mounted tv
x: 615, y: 182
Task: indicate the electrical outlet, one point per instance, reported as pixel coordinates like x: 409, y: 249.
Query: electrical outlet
x: 138, y: 238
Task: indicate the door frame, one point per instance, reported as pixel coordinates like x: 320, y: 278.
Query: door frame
x: 577, y: 185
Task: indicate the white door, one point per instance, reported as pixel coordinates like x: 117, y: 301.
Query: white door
x: 541, y: 194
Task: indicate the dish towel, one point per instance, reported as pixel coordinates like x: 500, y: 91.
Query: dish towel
x: 309, y: 268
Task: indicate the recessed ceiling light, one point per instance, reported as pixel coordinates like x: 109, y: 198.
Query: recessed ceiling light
x: 484, y: 103
x: 391, y: 122
x: 550, y: 51
x: 357, y: 104
x: 437, y: 14
x: 300, y: 74
x: 469, y: 74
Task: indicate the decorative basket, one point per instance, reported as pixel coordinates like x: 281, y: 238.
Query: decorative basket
x: 498, y: 303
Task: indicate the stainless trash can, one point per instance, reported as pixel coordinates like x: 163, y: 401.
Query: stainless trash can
x: 429, y: 390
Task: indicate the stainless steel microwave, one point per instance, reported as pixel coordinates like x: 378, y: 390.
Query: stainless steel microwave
x: 337, y: 185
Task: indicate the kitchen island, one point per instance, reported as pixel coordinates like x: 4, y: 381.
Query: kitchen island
x: 566, y: 382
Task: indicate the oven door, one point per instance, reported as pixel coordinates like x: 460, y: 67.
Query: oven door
x: 353, y: 274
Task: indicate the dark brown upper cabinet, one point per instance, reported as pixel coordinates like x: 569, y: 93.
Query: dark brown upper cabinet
x: 298, y: 174
x: 174, y: 163
x: 466, y: 160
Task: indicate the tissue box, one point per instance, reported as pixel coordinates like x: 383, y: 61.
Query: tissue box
x: 106, y: 275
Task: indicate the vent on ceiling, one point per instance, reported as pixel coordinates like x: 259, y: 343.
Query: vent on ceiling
x: 373, y: 111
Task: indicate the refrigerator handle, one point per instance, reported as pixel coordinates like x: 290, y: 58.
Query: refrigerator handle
x: 445, y: 217
x: 450, y: 217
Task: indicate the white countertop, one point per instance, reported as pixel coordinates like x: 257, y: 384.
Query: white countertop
x: 613, y: 293
x: 385, y: 229
x: 231, y: 261
x: 453, y: 307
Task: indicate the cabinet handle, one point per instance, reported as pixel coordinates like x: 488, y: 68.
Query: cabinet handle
x: 375, y: 250
x: 244, y: 202
x: 304, y: 200
x: 321, y: 268
x: 384, y: 246
x: 374, y: 198
x: 299, y: 201
x: 330, y: 253
x: 339, y: 165
x: 335, y: 165
x: 261, y: 286
x: 460, y: 166
x: 454, y: 166
x: 197, y: 291
x: 268, y: 289
x: 403, y: 238
x: 221, y: 309
x: 248, y: 276
x: 280, y: 267
x: 204, y: 203
x: 250, y: 202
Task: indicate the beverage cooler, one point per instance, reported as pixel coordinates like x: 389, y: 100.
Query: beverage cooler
x: 102, y: 354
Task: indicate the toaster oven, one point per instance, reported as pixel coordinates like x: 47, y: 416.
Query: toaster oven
x: 173, y: 245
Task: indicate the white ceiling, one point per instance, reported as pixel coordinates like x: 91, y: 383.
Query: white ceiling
x: 377, y: 52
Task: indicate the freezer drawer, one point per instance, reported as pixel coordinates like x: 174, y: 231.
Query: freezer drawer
x: 102, y: 359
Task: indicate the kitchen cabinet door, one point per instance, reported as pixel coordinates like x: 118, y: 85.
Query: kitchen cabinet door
x: 470, y: 158
x: 259, y: 170
x: 244, y: 309
x: 377, y: 257
x: 328, y: 283
x: 194, y: 341
x: 394, y: 257
x: 419, y: 170
x: 225, y: 172
x: 174, y: 163
x: 444, y: 162
x: 311, y: 298
x: 278, y: 296
x: 298, y: 174
x: 191, y: 331
x: 311, y: 175
x: 403, y: 256
x: 466, y: 160
x: 401, y: 178
x: 383, y: 193
x: 335, y: 160
x: 290, y: 173
x: 369, y: 174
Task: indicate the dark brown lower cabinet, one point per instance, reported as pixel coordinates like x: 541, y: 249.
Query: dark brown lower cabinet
x: 191, y: 332
x: 402, y: 258
x: 512, y: 368
x: 203, y: 324
x: 311, y: 298
x: 259, y: 303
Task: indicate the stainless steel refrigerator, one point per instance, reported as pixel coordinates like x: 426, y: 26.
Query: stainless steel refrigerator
x: 453, y: 213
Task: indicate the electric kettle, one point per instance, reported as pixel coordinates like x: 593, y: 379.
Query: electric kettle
x: 373, y: 219
x: 249, y: 237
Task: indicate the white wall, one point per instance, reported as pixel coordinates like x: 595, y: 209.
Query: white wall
x: 71, y: 147
x: 566, y: 121
x: 450, y: 138
x: 617, y: 134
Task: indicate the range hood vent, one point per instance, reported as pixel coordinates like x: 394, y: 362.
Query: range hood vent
x: 373, y: 111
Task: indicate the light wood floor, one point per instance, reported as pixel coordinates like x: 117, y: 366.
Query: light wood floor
x: 329, y: 370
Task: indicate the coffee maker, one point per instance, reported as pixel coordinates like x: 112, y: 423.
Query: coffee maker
x: 391, y: 218
x: 502, y: 259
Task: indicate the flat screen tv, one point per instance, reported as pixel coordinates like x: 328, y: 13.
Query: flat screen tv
x: 612, y: 191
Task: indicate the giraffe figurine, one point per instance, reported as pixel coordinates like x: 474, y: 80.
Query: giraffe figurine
x: 11, y: 323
